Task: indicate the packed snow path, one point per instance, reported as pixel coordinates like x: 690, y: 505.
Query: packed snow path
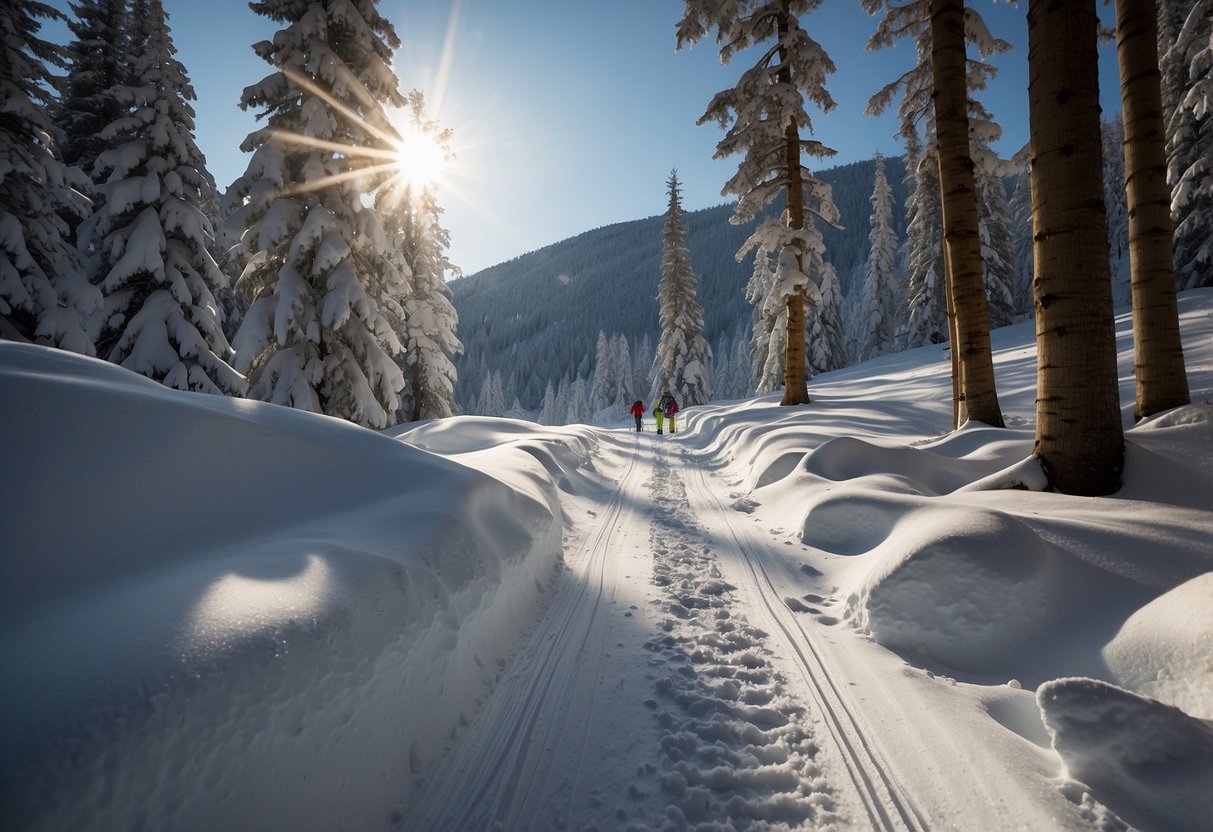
x: 667, y: 684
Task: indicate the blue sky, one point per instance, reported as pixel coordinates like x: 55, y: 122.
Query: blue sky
x: 569, y: 114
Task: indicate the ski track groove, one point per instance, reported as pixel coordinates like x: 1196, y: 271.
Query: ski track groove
x: 860, y: 756
x: 524, y: 709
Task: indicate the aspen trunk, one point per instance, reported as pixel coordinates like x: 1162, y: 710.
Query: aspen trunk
x: 961, y: 232
x: 1162, y: 381
x: 1079, y: 437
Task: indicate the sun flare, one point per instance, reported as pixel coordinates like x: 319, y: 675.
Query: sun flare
x: 420, y: 160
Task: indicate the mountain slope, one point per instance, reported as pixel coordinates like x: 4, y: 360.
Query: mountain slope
x: 536, y: 318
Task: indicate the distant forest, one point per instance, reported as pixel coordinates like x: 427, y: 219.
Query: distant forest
x: 535, y: 320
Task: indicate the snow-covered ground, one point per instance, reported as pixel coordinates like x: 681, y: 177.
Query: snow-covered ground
x: 216, y: 613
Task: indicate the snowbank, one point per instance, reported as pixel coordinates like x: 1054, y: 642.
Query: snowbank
x: 1152, y: 763
x: 220, y: 609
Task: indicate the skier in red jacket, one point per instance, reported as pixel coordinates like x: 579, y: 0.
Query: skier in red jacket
x: 637, y: 411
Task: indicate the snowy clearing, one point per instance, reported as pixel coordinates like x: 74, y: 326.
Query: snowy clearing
x: 220, y: 613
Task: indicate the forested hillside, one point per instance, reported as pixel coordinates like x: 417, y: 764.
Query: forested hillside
x: 535, y: 319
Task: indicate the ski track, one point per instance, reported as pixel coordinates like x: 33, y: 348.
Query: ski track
x: 886, y: 804
x: 698, y: 708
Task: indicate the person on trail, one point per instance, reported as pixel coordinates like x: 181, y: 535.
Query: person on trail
x: 637, y: 411
x: 671, y: 407
x: 658, y: 414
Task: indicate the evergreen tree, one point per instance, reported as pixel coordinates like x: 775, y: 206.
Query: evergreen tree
x: 1190, y: 145
x: 880, y: 282
x: 768, y: 324
x: 628, y: 391
x: 605, y: 384
x: 318, y: 269
x: 764, y: 115
x: 99, y: 60
x: 997, y: 247
x: 492, y: 396
x: 1112, y: 132
x: 547, y: 413
x: 1021, y: 241
x: 578, y: 411
x: 683, y: 355
x: 412, y: 218
x: 150, y: 234
x: 44, y: 296
x: 926, y: 289
x: 825, y: 339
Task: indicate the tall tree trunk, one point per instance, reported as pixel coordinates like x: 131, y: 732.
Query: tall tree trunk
x: 1162, y: 382
x: 960, y: 223
x: 1079, y: 438
x: 795, y: 375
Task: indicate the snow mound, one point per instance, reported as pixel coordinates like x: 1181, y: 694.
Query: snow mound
x: 852, y: 521
x: 964, y: 587
x: 227, y: 612
x: 1150, y: 762
x: 1165, y: 649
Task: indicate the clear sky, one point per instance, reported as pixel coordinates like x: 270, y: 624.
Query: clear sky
x: 569, y: 114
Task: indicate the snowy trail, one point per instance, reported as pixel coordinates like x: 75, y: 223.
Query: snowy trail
x: 518, y: 767
x: 645, y: 695
x: 885, y: 802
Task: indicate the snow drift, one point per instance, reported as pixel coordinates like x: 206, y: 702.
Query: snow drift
x: 254, y: 601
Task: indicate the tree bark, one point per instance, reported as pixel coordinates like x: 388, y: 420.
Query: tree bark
x: 1079, y: 437
x: 418, y: 391
x: 1162, y: 381
x: 961, y: 232
x: 795, y: 375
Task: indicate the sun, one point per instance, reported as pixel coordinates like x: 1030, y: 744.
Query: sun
x: 420, y: 160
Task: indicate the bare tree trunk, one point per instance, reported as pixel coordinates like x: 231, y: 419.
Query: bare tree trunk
x: 1079, y: 437
x: 960, y: 222
x: 795, y: 375
x: 1162, y: 381
x: 418, y: 393
x: 958, y: 406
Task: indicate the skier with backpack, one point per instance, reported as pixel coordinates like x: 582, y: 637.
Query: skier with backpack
x: 659, y: 413
x: 671, y: 408
x: 637, y: 411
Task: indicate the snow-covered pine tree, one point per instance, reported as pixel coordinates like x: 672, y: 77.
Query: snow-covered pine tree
x: 492, y: 396
x: 642, y: 365
x: 413, y: 220
x: 997, y: 246
x: 99, y: 61
x: 764, y: 114
x: 683, y: 355
x: 547, y: 413
x: 628, y: 390
x: 318, y: 268
x: 1190, y: 148
x: 926, y: 289
x: 826, y: 341
x: 768, y: 320
x: 880, y: 280
x: 579, y: 403
x: 605, y: 385
x: 150, y: 235
x: 1021, y: 241
x: 1113, y: 135
x: 44, y: 296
